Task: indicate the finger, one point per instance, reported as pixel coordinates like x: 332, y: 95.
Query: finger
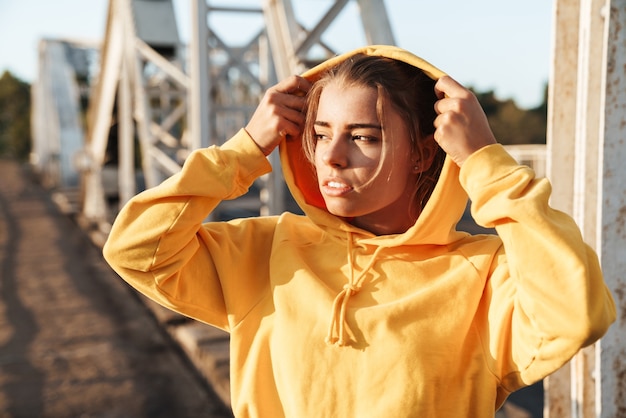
x: 294, y: 102
x: 455, y: 97
x: 286, y: 85
x: 294, y: 114
x: 440, y: 87
x: 292, y: 123
x: 292, y: 85
x: 303, y: 85
x: 448, y: 104
x: 446, y: 86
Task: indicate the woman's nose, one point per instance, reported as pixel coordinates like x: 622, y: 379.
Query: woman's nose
x: 335, y: 153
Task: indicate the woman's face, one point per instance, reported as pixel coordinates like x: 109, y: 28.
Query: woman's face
x: 348, y: 154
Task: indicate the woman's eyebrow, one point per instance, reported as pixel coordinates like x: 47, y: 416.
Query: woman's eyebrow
x: 351, y: 125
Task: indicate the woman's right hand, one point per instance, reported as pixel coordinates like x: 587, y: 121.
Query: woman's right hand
x: 280, y: 113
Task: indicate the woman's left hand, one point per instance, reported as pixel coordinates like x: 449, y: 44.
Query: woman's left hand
x: 461, y: 127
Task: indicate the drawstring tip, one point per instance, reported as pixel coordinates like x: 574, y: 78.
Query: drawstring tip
x: 335, y: 342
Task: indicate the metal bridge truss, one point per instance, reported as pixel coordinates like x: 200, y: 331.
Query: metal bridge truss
x: 162, y: 111
x: 59, y: 96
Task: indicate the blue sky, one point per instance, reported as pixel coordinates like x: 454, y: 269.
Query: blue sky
x: 486, y: 44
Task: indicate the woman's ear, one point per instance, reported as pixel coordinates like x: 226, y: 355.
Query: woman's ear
x: 429, y: 151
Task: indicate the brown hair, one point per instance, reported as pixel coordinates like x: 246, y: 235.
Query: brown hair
x: 408, y: 90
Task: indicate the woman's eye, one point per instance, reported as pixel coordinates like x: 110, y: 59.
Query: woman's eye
x: 320, y: 137
x: 364, y: 138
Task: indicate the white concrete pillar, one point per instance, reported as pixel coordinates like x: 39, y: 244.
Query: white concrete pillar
x: 587, y: 150
x: 611, y: 227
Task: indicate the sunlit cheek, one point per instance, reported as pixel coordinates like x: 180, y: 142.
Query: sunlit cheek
x: 317, y: 159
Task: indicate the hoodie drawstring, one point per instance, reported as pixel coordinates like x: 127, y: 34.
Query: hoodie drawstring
x: 338, y: 317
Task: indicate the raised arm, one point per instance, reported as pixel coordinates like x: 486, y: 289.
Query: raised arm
x: 160, y: 245
x: 547, y: 298
x: 158, y: 242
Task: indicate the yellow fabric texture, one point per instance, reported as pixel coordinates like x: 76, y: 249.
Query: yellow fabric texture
x: 328, y: 320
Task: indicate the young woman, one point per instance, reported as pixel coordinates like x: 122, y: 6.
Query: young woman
x: 371, y: 304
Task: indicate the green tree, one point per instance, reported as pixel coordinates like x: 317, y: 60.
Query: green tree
x: 512, y: 125
x: 15, y: 135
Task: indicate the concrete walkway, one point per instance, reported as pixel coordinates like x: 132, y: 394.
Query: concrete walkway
x: 75, y: 341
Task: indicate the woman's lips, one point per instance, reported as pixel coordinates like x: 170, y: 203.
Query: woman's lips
x: 335, y: 188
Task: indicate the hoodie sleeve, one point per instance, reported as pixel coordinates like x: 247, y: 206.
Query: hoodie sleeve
x: 159, y: 245
x: 548, y: 296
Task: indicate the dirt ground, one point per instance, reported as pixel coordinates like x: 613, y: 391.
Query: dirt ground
x: 74, y: 340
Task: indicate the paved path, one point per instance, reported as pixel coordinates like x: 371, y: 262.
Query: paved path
x: 74, y: 340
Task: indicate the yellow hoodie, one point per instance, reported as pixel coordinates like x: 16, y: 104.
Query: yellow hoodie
x: 436, y: 323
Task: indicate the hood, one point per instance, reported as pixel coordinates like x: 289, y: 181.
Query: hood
x: 437, y: 222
